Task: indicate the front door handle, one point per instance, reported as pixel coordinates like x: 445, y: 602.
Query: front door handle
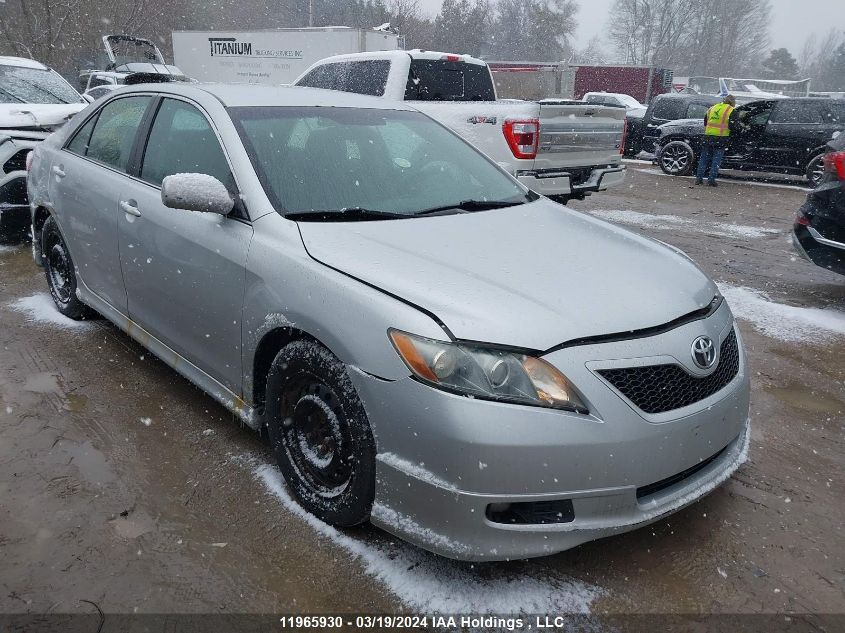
x: 131, y: 209
x: 59, y: 171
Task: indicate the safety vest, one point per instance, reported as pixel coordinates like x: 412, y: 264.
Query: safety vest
x: 718, y: 118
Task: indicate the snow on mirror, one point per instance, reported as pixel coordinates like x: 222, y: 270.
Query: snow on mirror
x: 196, y: 192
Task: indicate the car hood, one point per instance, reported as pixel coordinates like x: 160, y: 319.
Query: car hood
x: 532, y: 276
x: 16, y: 116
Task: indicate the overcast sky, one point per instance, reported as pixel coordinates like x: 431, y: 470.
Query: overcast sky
x: 792, y: 20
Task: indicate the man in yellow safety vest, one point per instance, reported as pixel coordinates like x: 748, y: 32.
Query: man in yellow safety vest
x: 717, y: 132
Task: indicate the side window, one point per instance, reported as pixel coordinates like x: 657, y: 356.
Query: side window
x: 669, y: 109
x: 790, y: 111
x: 182, y: 141
x: 835, y: 112
x: 79, y: 142
x: 365, y: 77
x: 697, y: 110
x: 320, y: 77
x: 114, y: 133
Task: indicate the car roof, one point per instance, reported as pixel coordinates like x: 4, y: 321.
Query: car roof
x: 402, y: 54
x: 239, y: 95
x: 21, y: 62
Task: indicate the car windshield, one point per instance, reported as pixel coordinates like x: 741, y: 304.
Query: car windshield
x: 34, y: 85
x: 336, y: 160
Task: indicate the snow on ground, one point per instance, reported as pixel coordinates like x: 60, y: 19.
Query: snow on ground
x: 430, y: 584
x: 674, y: 222
x: 781, y: 321
x: 7, y: 249
x: 41, y: 309
x: 737, y: 181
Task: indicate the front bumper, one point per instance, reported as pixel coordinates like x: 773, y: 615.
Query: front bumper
x: 560, y: 182
x: 444, y: 459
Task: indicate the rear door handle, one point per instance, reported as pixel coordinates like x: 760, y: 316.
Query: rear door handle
x: 59, y: 171
x: 131, y: 209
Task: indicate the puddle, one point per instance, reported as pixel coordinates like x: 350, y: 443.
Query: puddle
x: 91, y: 463
x: 803, y: 397
x: 75, y: 402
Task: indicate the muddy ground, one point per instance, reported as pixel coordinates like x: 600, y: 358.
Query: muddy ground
x: 124, y: 488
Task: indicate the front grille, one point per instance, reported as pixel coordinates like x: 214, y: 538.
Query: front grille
x: 657, y: 486
x: 660, y: 388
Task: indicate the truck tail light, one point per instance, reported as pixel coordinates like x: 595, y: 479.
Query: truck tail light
x: 28, y: 161
x: 451, y: 58
x: 835, y: 163
x: 523, y: 137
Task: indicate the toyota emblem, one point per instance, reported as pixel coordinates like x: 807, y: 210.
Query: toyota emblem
x: 703, y: 352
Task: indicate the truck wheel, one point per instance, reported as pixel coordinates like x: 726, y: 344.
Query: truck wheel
x: 320, y: 434
x: 815, y: 171
x: 61, y: 273
x: 676, y: 158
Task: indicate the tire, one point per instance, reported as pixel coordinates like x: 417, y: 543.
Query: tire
x: 320, y: 434
x: 61, y: 273
x: 676, y: 158
x: 814, y: 171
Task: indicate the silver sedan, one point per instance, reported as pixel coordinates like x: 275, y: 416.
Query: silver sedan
x: 431, y: 346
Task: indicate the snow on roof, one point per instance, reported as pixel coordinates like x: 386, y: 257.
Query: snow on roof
x: 399, y: 54
x: 21, y: 62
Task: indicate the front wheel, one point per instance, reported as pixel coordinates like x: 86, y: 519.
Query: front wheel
x: 320, y: 434
x: 676, y: 158
x: 815, y: 171
x: 61, y: 273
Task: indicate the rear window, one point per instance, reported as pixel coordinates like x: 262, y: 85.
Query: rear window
x: 441, y: 80
x: 362, y: 77
x: 669, y: 109
x: 789, y: 111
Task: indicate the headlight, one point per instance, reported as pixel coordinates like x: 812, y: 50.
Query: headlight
x: 486, y: 372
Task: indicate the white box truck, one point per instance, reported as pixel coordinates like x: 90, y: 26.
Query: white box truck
x: 274, y: 56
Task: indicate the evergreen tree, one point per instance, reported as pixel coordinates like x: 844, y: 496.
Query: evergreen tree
x: 780, y: 64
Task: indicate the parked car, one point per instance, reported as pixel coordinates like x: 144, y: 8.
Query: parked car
x: 563, y: 150
x: 643, y: 132
x: 430, y: 345
x: 92, y: 94
x: 819, y: 232
x: 34, y: 101
x: 786, y: 136
x: 129, y: 56
x: 633, y: 108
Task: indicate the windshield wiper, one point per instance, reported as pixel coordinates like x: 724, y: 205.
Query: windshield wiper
x: 472, y: 205
x: 344, y: 215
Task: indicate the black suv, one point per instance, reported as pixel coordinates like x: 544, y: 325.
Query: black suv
x: 786, y: 136
x: 643, y: 132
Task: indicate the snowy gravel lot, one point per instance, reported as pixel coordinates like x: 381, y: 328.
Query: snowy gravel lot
x: 123, y: 485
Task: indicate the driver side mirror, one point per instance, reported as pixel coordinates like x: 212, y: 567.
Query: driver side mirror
x: 196, y: 192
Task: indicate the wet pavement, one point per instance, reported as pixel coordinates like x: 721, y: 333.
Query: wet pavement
x: 124, y: 488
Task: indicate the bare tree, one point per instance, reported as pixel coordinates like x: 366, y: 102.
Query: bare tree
x: 818, y: 57
x: 716, y: 37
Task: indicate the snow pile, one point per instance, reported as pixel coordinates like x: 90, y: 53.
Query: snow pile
x: 781, y: 321
x: 40, y: 308
x: 431, y: 584
x: 739, y: 230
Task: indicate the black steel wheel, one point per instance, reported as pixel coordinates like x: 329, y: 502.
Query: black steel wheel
x: 61, y: 273
x: 320, y: 434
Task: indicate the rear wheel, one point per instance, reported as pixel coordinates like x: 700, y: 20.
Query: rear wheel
x: 320, y: 434
x: 815, y: 170
x: 61, y: 273
x: 676, y: 158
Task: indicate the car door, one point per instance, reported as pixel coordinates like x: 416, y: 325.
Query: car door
x: 86, y: 180
x: 184, y: 270
x: 748, y: 130
x: 794, y: 130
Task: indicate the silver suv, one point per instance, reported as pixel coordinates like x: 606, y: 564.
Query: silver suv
x: 430, y: 345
